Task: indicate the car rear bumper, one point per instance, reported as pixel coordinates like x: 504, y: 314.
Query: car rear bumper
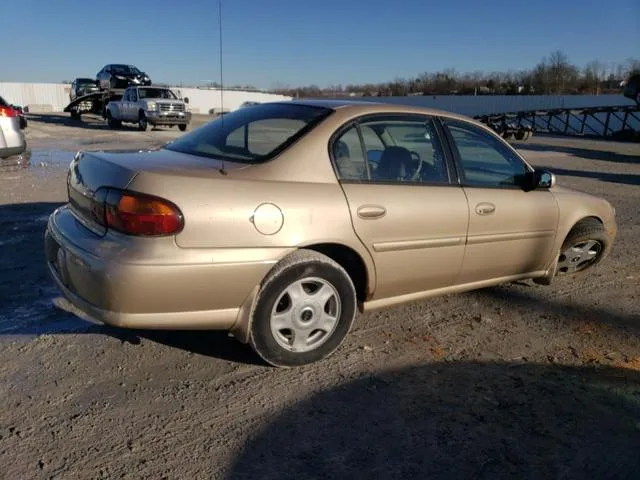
x: 9, y: 152
x: 169, y: 118
x: 12, y: 139
x: 190, y: 290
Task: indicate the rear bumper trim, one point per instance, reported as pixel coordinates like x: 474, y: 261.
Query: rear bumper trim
x: 199, y: 320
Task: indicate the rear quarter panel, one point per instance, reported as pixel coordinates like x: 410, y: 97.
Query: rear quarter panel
x: 223, y: 213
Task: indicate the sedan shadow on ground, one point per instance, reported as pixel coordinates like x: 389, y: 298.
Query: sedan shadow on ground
x: 457, y: 420
x: 535, y: 301
x: 28, y: 296
x: 588, y: 153
x: 623, y: 178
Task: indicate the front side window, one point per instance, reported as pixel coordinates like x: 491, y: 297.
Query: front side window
x: 484, y: 159
x: 252, y: 134
x: 397, y: 149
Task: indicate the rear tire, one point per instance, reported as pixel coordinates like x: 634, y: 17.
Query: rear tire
x: 304, y: 309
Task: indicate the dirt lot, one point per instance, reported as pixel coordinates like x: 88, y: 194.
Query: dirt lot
x: 518, y: 381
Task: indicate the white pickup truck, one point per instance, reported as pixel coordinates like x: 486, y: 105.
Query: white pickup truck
x: 148, y: 105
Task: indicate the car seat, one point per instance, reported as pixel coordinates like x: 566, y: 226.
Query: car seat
x: 395, y: 164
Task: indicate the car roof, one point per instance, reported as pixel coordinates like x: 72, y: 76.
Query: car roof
x: 372, y: 106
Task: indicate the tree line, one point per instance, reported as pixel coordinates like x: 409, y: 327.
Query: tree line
x: 553, y: 75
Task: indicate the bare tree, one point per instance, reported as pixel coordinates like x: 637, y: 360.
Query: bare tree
x: 594, y: 74
x: 554, y: 74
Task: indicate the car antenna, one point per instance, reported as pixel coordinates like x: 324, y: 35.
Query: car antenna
x: 222, y: 170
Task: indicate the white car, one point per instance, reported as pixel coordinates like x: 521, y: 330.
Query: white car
x: 12, y: 139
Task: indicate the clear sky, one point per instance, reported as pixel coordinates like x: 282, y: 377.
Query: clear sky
x: 269, y: 42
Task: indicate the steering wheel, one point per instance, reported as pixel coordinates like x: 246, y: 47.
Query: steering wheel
x: 416, y: 174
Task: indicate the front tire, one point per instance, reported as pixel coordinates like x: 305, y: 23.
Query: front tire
x: 112, y: 122
x: 585, y: 247
x: 304, y: 310
x: 143, y: 124
x: 182, y: 127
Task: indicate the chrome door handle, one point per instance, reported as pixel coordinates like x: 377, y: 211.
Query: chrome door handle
x: 371, y: 211
x: 485, y: 208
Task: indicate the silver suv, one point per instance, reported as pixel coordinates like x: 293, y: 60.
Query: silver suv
x: 12, y: 140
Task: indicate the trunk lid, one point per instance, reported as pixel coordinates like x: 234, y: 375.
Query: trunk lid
x: 91, y: 173
x: 88, y: 173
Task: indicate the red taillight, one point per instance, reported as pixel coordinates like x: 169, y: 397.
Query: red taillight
x: 8, y: 112
x: 144, y: 215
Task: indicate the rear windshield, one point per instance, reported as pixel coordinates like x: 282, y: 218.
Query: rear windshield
x: 252, y: 134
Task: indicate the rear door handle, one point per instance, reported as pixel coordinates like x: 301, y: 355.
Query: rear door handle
x: 371, y: 211
x: 485, y: 208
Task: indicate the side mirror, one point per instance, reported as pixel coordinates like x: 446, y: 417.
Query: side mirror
x: 186, y: 99
x: 543, y: 179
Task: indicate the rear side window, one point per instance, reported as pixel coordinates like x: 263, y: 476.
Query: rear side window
x: 398, y: 149
x: 252, y: 134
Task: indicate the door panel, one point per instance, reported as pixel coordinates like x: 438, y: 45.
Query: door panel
x: 516, y: 237
x: 129, y: 107
x: 418, y: 243
x: 402, y: 204
x: 511, y: 231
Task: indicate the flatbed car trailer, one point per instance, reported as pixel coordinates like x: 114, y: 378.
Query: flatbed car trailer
x: 95, y: 102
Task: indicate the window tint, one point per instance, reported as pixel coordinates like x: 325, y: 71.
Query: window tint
x: 485, y: 160
x: 264, y: 135
x: 398, y: 149
x: 156, y: 93
x: 371, y: 139
x: 348, y: 156
x: 251, y: 134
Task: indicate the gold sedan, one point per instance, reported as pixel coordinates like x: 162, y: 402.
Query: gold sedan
x: 279, y: 221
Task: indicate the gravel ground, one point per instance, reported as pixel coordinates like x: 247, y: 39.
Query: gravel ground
x: 517, y: 381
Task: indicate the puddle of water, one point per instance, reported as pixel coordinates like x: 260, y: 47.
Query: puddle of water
x: 35, y: 161
x: 50, y: 157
